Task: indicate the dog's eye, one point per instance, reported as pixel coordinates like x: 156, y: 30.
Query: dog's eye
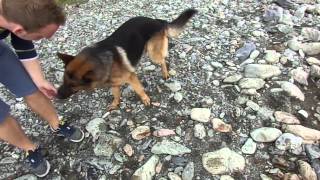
x: 86, y: 80
x: 70, y: 75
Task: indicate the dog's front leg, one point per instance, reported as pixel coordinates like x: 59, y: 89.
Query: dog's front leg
x: 138, y: 88
x: 164, y: 69
x: 116, y: 98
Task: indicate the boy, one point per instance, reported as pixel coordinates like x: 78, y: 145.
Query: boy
x: 20, y: 72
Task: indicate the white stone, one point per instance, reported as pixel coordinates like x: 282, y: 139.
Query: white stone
x: 200, y: 114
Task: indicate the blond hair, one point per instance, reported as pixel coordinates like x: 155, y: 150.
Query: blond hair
x: 33, y: 15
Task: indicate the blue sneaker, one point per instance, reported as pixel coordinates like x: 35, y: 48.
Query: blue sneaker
x: 69, y: 132
x: 37, y: 164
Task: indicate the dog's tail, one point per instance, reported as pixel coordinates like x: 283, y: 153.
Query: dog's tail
x: 176, y: 26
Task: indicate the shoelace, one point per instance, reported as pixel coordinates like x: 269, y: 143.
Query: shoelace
x: 34, y: 157
x: 65, y: 129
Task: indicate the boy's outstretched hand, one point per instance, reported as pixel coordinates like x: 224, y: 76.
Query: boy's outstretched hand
x: 47, y: 89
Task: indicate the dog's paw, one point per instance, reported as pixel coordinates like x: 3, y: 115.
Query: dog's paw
x: 146, y: 101
x: 165, y: 76
x: 113, y: 106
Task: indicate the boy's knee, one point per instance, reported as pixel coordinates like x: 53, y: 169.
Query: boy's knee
x: 4, y: 111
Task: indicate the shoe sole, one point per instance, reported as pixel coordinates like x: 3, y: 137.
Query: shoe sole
x: 82, y: 137
x: 47, y: 171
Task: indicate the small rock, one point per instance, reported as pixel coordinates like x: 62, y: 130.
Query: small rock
x: 207, y: 101
x: 150, y: 68
x: 249, y: 147
x: 300, y: 76
x: 303, y: 113
x: 304, y: 132
x: 27, y: 177
x: 314, y: 9
x: 226, y: 177
x: 159, y: 167
x: 311, y: 34
x: 223, y: 161
x: 216, y: 65
x: 312, y: 48
x: 244, y: 52
x: 141, y: 132
x: 289, y: 176
x: 232, y: 79
x: 284, y: 28
x: 96, y: 127
x: 286, y: 18
x: 173, y: 176
x: 216, y: 82
x: 147, y: 171
x: 246, y: 62
x: 274, y: 13
x: 200, y: 114
x: 272, y: 56
x: 163, y: 132
x: 313, y: 61
x: 288, y: 141
x: 199, y: 131
x: 254, y: 106
x: 306, y: 170
x: 251, y: 83
x: 265, y: 134
x: 107, y: 145
x: 261, y: 71
x: 315, y: 71
x: 313, y: 151
x: 173, y: 86
x: 188, y: 171
x: 220, y: 126
x: 182, y: 55
x: 8, y: 160
x: 292, y: 90
x: 178, y: 96
x: 294, y: 44
x: 250, y: 92
x: 285, y: 117
x: 254, y: 54
x: 169, y: 147
x: 128, y: 150
x: 265, y: 177
x: 315, y: 163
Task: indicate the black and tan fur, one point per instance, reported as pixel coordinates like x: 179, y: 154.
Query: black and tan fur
x: 112, y: 62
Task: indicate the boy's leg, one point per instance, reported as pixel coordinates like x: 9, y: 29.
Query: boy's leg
x: 11, y: 132
x: 41, y: 105
x: 17, y: 80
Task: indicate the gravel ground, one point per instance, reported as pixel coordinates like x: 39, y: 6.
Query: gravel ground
x: 214, y: 102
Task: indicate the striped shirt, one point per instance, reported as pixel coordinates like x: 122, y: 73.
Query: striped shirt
x: 24, y: 49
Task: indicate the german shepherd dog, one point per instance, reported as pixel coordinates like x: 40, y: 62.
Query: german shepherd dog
x: 112, y: 61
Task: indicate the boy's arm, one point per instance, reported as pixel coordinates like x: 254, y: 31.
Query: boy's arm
x: 28, y: 56
x: 33, y: 68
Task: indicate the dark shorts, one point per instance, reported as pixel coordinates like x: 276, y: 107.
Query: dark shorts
x: 14, y: 77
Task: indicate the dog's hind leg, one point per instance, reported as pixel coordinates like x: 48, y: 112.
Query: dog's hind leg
x: 116, y: 98
x: 157, y: 49
x: 138, y: 88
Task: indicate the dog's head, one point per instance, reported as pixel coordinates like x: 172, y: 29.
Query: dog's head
x: 85, y: 71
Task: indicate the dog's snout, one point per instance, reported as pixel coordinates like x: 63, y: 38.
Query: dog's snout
x: 64, y: 92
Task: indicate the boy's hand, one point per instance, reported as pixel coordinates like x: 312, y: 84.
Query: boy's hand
x: 34, y: 70
x: 47, y: 89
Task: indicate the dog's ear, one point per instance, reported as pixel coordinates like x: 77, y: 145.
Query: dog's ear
x: 65, y: 57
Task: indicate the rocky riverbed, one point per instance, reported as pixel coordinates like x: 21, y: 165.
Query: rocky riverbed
x: 241, y: 103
